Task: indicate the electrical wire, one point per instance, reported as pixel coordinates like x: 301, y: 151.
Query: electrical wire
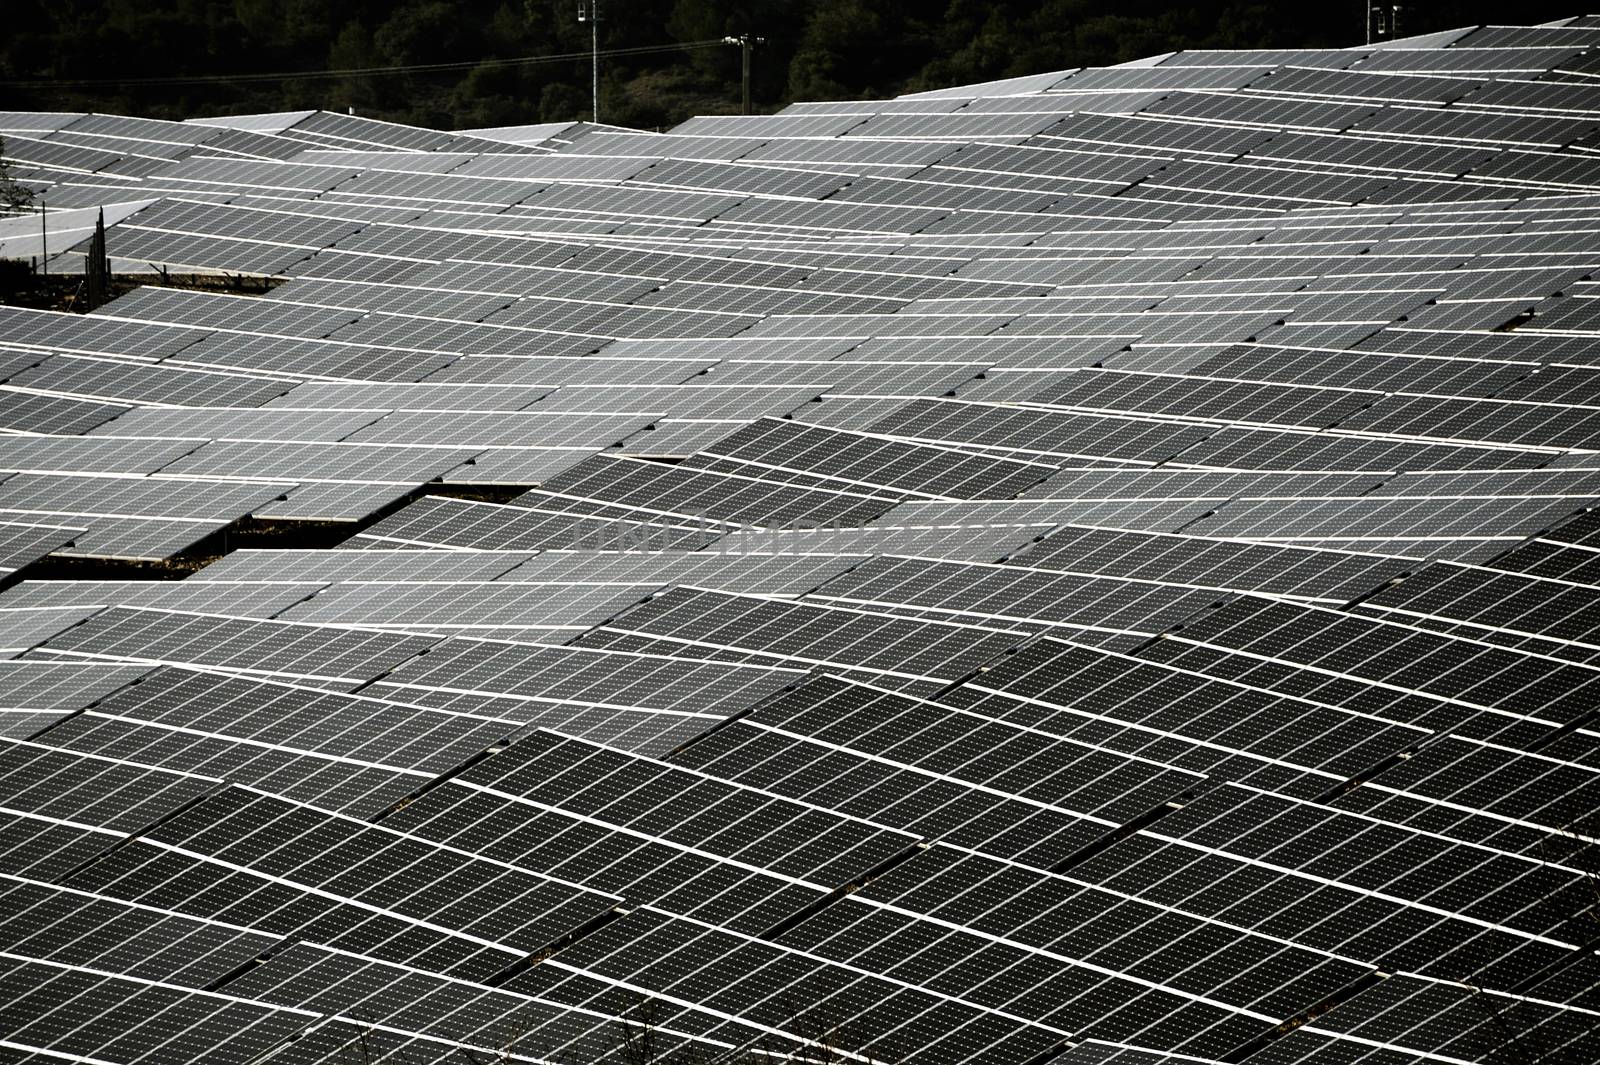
x: 351, y: 72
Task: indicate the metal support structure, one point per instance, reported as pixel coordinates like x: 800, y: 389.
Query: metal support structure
x: 44, y: 241
x: 590, y: 12
x: 745, y: 43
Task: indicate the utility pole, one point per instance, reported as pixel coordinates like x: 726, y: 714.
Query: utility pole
x: 590, y: 13
x: 745, y: 43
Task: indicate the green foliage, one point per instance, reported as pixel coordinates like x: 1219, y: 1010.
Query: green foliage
x: 814, y: 49
x: 560, y: 102
x: 13, y: 197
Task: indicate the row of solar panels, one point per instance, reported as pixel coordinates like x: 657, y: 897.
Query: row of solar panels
x: 1047, y: 758
x: 1405, y: 405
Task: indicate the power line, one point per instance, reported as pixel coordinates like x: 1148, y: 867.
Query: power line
x: 351, y: 72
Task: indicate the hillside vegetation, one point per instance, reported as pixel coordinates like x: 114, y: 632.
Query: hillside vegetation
x: 67, y: 54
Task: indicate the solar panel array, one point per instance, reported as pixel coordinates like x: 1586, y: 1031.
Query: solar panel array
x: 1092, y: 568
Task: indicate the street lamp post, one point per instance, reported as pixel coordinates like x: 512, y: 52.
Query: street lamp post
x: 590, y: 13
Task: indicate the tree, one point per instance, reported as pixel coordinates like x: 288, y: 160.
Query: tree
x: 560, y: 102
x: 842, y: 41
x: 13, y: 196
x: 813, y: 49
